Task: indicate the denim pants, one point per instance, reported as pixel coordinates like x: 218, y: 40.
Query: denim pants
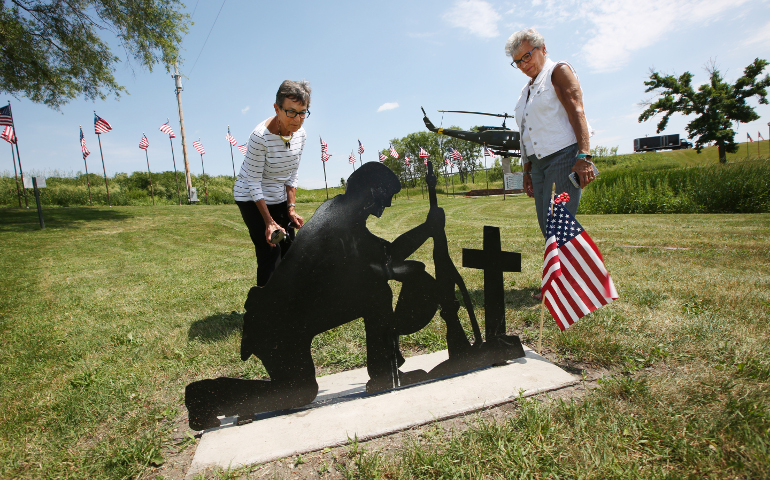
x: 555, y: 168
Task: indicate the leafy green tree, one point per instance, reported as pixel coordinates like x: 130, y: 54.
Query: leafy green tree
x: 51, y: 51
x: 717, y: 104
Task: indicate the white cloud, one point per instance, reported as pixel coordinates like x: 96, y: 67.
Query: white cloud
x: 624, y: 27
x: 476, y: 16
x: 244, y: 110
x: 387, y: 106
x: 761, y: 36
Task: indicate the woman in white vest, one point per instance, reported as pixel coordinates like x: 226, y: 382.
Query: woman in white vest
x: 553, y: 126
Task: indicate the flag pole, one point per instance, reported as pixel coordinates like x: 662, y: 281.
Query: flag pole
x: 18, y: 156
x: 88, y: 180
x: 542, y: 299
x: 452, y: 175
x: 326, y: 184
x: 231, y: 154
x: 104, y: 169
x: 176, y: 175
x: 486, y: 172
x: 205, y: 188
x: 15, y: 175
x: 149, y: 173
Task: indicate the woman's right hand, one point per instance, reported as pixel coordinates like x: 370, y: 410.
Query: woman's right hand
x: 272, y: 227
x: 528, y: 185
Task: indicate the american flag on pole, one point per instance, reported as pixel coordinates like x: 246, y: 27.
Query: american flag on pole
x: 8, y: 134
x: 197, y: 145
x: 488, y: 152
x: 325, y: 156
x: 360, y: 147
x: 324, y: 146
x: 101, y: 125
x: 383, y: 157
x: 352, y: 158
x: 406, y: 160
x: 424, y: 153
x: 143, y: 143
x: 575, y: 282
x: 243, y: 148
x: 5, y: 115
x: 447, y: 161
x: 230, y: 138
x: 393, y: 152
x: 83, y: 145
x: 166, y: 128
x: 749, y: 136
x: 455, y: 153
x: 759, y: 136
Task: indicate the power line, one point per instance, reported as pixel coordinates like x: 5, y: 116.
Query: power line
x: 207, y: 39
x: 194, y: 9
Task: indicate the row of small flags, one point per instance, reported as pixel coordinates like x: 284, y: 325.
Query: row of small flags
x: 759, y: 137
x: 102, y: 126
x: 453, y: 154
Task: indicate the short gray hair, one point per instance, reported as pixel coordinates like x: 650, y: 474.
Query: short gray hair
x: 527, y: 35
x: 297, y: 91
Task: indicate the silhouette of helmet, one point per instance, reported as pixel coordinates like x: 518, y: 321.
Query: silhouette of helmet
x: 376, y: 178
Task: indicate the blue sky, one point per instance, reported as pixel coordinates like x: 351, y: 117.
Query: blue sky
x: 373, y: 64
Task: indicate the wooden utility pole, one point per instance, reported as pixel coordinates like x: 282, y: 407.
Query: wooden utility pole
x: 178, y: 90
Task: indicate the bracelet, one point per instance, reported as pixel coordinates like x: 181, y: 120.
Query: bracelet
x: 587, y: 156
x: 290, y: 205
x: 526, y: 173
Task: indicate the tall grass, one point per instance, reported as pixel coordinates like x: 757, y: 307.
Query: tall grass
x: 731, y: 188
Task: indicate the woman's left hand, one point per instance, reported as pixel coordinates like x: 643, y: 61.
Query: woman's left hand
x: 296, y: 219
x: 585, y: 171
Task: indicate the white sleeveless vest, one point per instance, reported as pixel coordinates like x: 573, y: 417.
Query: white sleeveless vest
x: 547, y: 122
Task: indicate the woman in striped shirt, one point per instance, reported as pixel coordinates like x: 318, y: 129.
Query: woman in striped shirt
x: 266, y: 188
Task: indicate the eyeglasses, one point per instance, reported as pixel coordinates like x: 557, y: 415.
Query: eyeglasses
x: 294, y: 113
x: 524, y: 58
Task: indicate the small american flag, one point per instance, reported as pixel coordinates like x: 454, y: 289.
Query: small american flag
x: 230, y: 138
x: 447, y: 161
x: 352, y: 158
x: 455, y: 154
x: 324, y: 146
x: 83, y: 145
x: 749, y: 136
x: 759, y: 136
x: 406, y: 160
x: 8, y: 134
x: 488, y: 152
x: 575, y: 282
x: 6, y: 118
x: 393, y: 152
x: 383, y: 157
x: 325, y: 156
x: 143, y: 143
x: 166, y: 128
x: 243, y: 148
x: 424, y: 153
x: 197, y: 145
x: 101, y: 125
x: 360, y: 147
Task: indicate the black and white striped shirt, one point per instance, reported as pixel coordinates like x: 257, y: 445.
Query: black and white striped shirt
x: 269, y: 166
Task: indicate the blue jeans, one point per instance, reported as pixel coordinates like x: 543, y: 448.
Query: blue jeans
x: 555, y: 168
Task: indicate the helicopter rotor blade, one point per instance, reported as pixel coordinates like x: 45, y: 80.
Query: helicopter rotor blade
x: 478, y: 113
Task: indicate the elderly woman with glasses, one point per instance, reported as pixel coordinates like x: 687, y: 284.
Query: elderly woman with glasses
x: 266, y: 188
x: 553, y: 126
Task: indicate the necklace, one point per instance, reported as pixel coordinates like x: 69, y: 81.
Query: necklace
x: 286, y: 140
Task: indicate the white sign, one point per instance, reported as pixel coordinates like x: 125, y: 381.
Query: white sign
x: 27, y: 181
x: 514, y: 181
x: 193, y: 194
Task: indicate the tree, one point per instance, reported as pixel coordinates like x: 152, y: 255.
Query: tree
x: 51, y: 51
x: 716, y: 104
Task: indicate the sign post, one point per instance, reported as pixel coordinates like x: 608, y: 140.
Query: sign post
x: 36, y: 183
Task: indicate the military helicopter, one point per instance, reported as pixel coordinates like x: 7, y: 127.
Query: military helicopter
x: 501, y: 140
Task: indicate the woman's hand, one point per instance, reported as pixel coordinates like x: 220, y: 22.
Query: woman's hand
x: 585, y: 171
x: 295, y: 218
x: 528, y: 185
x: 272, y: 227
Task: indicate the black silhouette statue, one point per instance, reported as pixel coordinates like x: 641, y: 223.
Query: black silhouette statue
x: 337, y: 271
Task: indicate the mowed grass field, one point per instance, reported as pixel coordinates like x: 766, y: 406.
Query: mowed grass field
x: 107, y: 314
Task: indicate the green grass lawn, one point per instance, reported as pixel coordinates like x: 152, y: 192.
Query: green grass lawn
x: 108, y: 313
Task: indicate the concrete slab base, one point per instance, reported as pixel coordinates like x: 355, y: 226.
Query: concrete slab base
x: 343, y: 410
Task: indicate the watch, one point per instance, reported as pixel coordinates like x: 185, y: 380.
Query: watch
x: 290, y: 205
